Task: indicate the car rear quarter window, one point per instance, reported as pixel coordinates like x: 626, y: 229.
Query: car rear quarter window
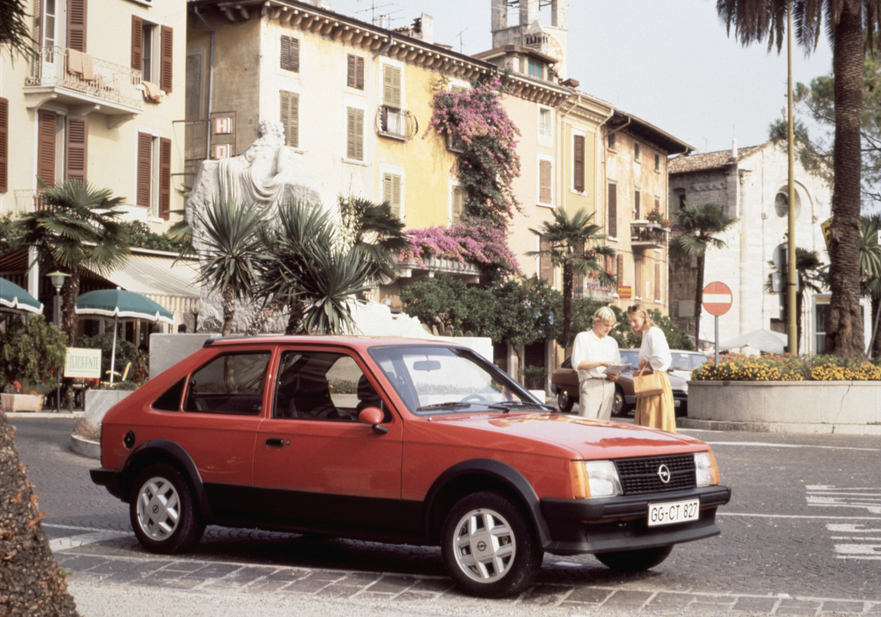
x: 231, y: 383
x: 170, y: 399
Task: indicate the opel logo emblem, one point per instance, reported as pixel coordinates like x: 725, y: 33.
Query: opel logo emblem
x: 155, y: 509
x: 664, y: 474
x: 481, y: 546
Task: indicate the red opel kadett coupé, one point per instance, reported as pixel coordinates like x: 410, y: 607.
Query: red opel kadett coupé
x: 405, y: 441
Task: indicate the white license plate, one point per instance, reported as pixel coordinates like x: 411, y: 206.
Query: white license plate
x: 676, y: 402
x: 673, y: 512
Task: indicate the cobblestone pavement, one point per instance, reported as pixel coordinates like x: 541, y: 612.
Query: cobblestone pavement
x: 802, y: 536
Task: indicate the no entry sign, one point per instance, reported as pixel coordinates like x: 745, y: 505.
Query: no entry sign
x: 717, y: 298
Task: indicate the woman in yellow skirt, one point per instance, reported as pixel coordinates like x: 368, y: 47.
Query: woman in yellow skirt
x: 654, y: 356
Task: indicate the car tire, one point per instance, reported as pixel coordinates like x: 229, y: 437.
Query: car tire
x: 635, y: 561
x: 162, y: 510
x: 489, y: 546
x: 619, y: 407
x: 564, y: 401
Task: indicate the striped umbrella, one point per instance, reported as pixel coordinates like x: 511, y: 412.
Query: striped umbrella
x: 13, y: 298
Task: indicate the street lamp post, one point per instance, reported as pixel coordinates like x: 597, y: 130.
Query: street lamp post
x: 57, y: 279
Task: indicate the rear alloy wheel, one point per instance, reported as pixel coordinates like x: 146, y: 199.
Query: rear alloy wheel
x: 619, y: 408
x: 489, y: 547
x: 635, y: 561
x: 564, y: 401
x: 162, y: 511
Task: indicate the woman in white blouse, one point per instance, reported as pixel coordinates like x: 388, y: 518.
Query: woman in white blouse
x: 654, y: 356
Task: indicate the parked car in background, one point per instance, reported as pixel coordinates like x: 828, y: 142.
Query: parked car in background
x: 686, y: 361
x: 565, y: 384
x: 404, y: 441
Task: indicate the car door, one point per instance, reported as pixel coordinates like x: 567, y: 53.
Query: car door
x: 315, y: 465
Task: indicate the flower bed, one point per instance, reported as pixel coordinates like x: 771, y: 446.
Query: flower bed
x: 786, y: 368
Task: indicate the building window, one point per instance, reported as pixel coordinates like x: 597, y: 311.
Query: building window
x: 781, y: 204
x: 544, y: 124
x: 355, y: 72
x: 545, y: 265
x: 658, y: 281
x: 657, y: 205
x: 47, y: 129
x: 76, y: 24
x: 457, y: 203
x: 612, y: 223
x: 619, y: 270
x: 391, y: 86
x: 578, y: 163
x: 636, y: 205
x: 4, y: 145
x: 636, y: 152
x: 611, y: 141
x: 354, y: 134
x: 290, y: 118
x: 657, y: 162
x: 154, y: 62
x: 545, y: 179
x: 77, y: 142
x: 154, y: 176
x: 290, y: 54
x: 638, y: 290
x: 535, y: 69
x: 391, y: 193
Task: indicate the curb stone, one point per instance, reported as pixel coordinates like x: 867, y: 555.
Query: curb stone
x: 780, y: 427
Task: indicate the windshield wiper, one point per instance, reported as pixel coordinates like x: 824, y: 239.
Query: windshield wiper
x: 507, y: 406
x: 450, y: 405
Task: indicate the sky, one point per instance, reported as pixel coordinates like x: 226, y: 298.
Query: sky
x: 668, y: 62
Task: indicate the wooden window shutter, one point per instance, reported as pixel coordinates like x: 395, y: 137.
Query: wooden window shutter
x: 145, y: 161
x: 658, y: 205
x: 578, y: 164
x: 38, y: 22
x: 77, y: 149
x: 355, y: 72
x: 391, y: 192
x: 137, y: 43
x: 46, y: 157
x: 4, y: 145
x: 295, y: 55
x: 545, y: 265
x: 167, y: 64
x: 457, y: 204
x: 290, y: 118
x: 391, y: 86
x: 164, y: 177
x: 620, y: 270
x: 636, y: 205
x: 544, y: 191
x: 285, y: 52
x: 76, y: 25
x: 612, y: 223
x: 359, y: 134
x: 658, y: 282
x: 355, y: 134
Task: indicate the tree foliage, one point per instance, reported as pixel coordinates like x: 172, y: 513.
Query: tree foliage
x: 32, y: 352
x: 14, y: 28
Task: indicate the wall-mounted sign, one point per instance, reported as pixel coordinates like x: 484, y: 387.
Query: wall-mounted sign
x: 625, y: 292
x: 222, y: 126
x: 83, y: 363
x: 221, y: 151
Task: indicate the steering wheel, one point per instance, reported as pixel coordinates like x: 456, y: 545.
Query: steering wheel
x: 474, y: 397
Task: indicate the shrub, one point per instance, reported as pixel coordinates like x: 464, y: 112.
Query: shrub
x: 32, y: 353
x: 786, y: 368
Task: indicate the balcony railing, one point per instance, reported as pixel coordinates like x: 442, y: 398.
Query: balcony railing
x: 645, y: 234
x: 97, y: 78
x: 396, y: 123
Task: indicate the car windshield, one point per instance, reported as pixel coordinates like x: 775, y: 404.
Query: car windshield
x: 687, y: 361
x: 433, y: 380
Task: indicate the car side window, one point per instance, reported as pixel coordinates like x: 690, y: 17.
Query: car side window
x: 322, y: 386
x: 230, y: 384
x: 170, y: 399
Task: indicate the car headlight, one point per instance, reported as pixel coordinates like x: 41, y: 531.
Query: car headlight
x: 595, y: 479
x: 706, y: 472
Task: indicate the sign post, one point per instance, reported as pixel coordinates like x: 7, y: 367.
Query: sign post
x: 716, y: 300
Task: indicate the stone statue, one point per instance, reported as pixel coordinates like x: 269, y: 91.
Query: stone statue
x: 265, y: 174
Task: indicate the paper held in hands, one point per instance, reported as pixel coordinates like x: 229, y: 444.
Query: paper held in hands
x: 617, y: 368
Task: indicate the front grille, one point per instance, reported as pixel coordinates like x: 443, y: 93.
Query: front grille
x: 640, y: 475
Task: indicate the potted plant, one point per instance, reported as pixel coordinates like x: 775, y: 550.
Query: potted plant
x: 32, y: 353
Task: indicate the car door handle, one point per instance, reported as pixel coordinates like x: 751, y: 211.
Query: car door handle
x: 275, y: 443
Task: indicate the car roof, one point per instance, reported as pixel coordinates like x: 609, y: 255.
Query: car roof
x: 357, y: 342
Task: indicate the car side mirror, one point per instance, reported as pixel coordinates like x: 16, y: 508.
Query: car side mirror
x: 373, y: 416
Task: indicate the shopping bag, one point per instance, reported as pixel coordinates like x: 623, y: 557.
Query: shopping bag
x: 647, y: 385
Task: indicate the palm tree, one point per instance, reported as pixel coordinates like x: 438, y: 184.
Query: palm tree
x: 375, y: 231
x: 230, y: 234
x: 697, y: 228
x: 573, y: 244
x: 76, y: 231
x: 14, y: 27
x: 846, y: 23
x: 810, y: 278
x: 311, y: 271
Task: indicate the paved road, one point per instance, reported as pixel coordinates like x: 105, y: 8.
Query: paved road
x: 802, y: 536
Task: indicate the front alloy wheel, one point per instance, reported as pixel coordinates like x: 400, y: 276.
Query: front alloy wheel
x: 489, y: 547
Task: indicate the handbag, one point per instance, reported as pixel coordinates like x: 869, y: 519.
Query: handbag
x: 647, y: 385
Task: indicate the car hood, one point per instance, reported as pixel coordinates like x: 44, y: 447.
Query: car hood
x: 583, y: 438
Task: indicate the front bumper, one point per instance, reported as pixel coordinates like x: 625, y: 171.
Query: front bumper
x: 621, y: 523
